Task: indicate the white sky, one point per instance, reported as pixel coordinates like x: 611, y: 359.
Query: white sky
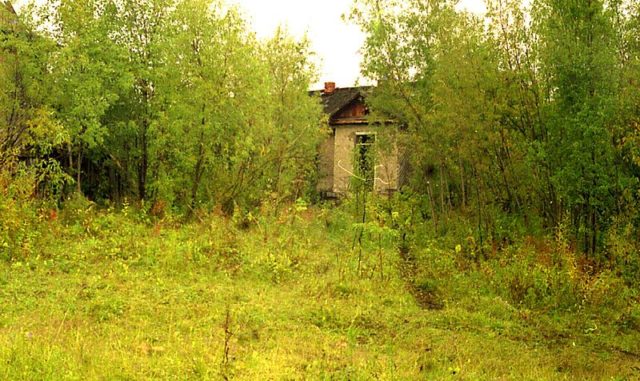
x: 335, y: 43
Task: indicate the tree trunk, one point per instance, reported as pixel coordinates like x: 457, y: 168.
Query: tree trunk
x: 432, y: 202
x: 144, y: 161
x: 463, y: 187
x: 79, y: 170
x: 197, y: 173
x: 443, y: 207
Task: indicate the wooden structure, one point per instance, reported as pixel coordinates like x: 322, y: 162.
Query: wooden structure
x: 353, y: 149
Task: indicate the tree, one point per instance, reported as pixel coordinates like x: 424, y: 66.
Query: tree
x: 29, y: 131
x: 87, y: 73
x: 525, y: 115
x: 580, y: 59
x: 169, y: 101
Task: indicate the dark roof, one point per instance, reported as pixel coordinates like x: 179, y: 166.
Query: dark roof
x: 340, y: 98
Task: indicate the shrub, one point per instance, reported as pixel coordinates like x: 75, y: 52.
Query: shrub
x: 524, y: 281
x: 622, y: 250
x: 19, y: 215
x: 630, y: 319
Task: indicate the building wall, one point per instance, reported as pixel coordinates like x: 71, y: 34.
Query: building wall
x: 326, y: 164
x: 387, y: 164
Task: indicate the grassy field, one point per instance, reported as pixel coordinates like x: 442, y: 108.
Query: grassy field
x: 110, y: 296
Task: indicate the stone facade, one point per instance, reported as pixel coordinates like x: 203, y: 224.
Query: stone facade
x: 386, y: 167
x: 326, y: 164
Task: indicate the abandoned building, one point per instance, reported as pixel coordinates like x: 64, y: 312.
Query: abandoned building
x: 353, y: 150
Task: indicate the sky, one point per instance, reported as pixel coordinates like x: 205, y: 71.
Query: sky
x: 336, y: 43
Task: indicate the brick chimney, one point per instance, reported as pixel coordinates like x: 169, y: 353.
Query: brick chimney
x: 329, y: 87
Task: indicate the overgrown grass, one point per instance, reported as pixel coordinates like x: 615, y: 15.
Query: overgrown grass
x: 100, y: 294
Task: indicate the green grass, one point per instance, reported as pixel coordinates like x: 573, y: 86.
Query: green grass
x: 108, y: 297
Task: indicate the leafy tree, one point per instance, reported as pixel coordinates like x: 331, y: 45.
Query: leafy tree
x: 87, y: 74
x: 295, y: 117
x: 29, y: 131
x: 578, y: 53
x: 141, y: 30
x: 526, y: 116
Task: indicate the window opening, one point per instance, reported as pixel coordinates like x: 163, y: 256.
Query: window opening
x: 365, y: 160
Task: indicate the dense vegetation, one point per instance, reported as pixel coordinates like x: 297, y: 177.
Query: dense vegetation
x: 158, y: 215
x: 522, y: 122
x: 173, y: 103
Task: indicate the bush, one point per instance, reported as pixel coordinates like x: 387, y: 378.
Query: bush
x: 630, y: 319
x: 19, y: 216
x: 622, y: 250
x: 526, y: 280
x: 604, y: 291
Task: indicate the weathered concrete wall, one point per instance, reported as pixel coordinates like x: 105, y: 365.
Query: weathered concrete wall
x: 387, y: 164
x: 326, y: 164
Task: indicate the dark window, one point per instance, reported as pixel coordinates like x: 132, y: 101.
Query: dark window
x: 365, y: 159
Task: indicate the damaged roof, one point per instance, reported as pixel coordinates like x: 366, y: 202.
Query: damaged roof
x: 340, y: 98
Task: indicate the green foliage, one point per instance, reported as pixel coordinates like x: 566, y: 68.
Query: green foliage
x: 515, y: 121
x: 30, y: 134
x: 172, y: 103
x: 20, y: 219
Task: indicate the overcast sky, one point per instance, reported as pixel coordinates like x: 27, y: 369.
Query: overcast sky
x: 336, y: 44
